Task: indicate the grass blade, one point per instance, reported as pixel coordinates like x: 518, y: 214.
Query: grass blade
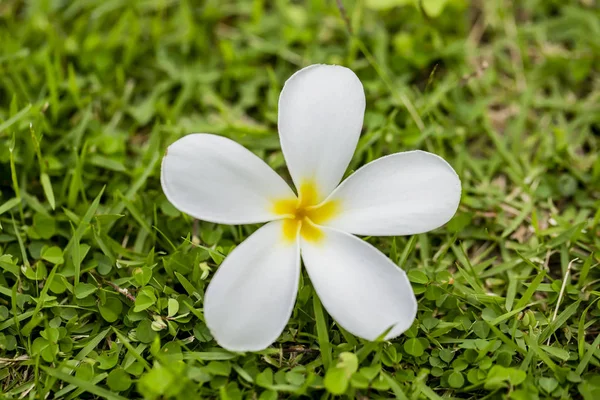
x: 530, y: 290
x: 588, y: 356
x: 322, y: 331
x: 85, y: 221
x: 81, y: 384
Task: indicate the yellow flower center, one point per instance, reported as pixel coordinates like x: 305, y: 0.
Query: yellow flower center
x: 304, y: 214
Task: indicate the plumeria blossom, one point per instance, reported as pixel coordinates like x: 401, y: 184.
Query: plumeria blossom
x: 251, y: 296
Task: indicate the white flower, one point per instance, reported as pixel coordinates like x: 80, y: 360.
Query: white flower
x: 252, y: 294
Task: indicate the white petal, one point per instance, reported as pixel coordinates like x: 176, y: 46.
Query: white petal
x: 250, y: 299
x: 215, y: 179
x: 321, y: 111
x: 361, y: 288
x: 400, y: 194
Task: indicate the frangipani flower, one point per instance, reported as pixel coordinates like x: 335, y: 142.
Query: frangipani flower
x: 251, y: 296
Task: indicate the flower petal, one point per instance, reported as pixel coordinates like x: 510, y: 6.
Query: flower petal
x: 361, y: 288
x: 321, y: 111
x: 251, y: 297
x: 215, y: 179
x: 400, y: 194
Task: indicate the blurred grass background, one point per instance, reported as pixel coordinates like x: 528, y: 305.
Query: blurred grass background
x: 101, y: 279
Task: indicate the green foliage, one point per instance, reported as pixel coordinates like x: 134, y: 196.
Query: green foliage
x: 102, y: 280
x: 338, y: 377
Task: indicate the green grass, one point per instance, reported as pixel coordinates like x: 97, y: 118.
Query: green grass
x: 100, y: 278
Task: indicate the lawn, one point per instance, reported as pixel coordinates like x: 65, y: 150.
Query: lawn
x: 102, y: 280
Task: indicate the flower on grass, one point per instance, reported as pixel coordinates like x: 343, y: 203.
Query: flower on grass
x: 251, y: 296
